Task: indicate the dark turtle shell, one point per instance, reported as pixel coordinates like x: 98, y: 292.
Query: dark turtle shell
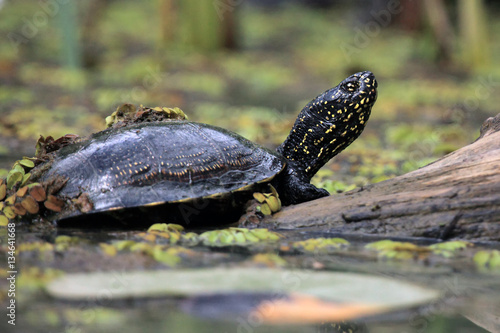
x: 174, y: 171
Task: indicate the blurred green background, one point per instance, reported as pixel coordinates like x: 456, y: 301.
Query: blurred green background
x: 250, y: 66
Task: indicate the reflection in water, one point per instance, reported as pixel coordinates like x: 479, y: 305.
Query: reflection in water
x: 466, y: 291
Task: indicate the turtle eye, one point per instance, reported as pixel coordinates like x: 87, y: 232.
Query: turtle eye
x: 350, y: 86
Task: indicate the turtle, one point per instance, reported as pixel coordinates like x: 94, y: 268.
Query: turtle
x: 137, y: 173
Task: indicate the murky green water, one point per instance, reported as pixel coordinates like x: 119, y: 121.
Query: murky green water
x: 469, y: 298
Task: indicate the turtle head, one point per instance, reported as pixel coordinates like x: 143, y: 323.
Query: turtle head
x: 358, y: 88
x: 329, y: 123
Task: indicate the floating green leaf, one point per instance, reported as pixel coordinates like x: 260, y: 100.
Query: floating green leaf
x: 63, y: 242
x: 140, y: 247
x: 238, y: 236
x: 3, y: 191
x: 36, y: 246
x: 3, y: 221
x: 448, y: 249
x: 334, y: 286
x: 488, y: 259
x: 397, y: 250
x: 124, y: 244
x: 269, y: 259
x: 17, y: 168
x: 264, y: 234
x: 27, y: 163
x: 274, y: 203
x: 265, y: 209
x: 269, y: 202
x: 162, y: 231
x: 165, y: 227
x: 320, y: 244
x: 166, y: 256
x: 13, y: 178
x: 259, y: 197
x: 9, y: 212
x: 108, y: 249
x: 25, y: 179
x: 63, y: 239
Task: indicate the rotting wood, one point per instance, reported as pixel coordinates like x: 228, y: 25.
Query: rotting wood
x: 457, y: 196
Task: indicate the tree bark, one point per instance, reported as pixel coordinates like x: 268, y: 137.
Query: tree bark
x: 456, y: 197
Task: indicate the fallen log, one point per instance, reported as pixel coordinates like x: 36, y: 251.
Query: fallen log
x: 455, y: 197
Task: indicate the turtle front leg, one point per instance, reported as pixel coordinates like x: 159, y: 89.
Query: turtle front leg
x: 294, y: 189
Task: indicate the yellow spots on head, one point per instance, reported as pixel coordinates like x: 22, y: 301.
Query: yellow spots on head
x: 356, y: 106
x: 339, y: 111
x: 310, y: 130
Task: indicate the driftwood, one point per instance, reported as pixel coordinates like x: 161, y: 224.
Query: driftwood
x: 457, y: 196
